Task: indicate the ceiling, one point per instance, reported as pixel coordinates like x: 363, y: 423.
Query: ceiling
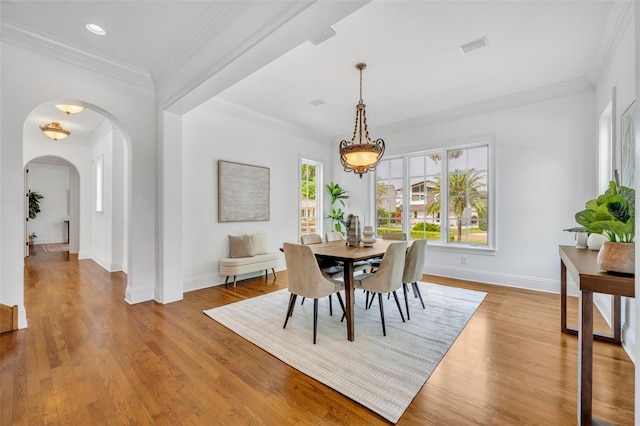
x: 414, y: 66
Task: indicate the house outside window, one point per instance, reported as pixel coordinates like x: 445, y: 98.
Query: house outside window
x: 310, y: 201
x: 413, y: 197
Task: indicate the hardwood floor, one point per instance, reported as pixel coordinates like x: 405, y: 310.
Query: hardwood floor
x: 90, y: 358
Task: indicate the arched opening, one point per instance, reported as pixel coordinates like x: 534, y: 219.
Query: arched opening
x: 93, y: 163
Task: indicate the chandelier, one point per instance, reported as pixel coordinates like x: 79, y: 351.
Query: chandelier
x: 360, y: 154
x: 54, y: 131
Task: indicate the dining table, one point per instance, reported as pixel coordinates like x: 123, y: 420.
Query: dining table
x: 340, y: 251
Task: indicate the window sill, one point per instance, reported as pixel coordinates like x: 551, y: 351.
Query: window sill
x: 461, y: 248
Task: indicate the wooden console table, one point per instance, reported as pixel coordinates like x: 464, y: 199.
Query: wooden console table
x: 582, y: 266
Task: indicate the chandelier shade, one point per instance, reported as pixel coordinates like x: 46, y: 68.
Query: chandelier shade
x: 361, y: 154
x: 70, y: 109
x: 54, y: 131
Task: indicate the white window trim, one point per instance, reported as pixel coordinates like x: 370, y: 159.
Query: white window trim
x: 442, y: 246
x: 319, y: 193
x: 99, y: 188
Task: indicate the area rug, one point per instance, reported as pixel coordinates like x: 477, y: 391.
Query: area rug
x: 382, y: 373
x: 50, y: 248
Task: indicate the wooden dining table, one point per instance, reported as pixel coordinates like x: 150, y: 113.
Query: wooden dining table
x: 338, y: 250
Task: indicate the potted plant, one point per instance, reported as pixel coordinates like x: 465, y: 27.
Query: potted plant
x: 34, y: 203
x: 612, y: 214
x: 338, y: 195
x: 32, y: 238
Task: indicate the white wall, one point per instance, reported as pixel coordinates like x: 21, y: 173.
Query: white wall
x: 78, y: 154
x: 210, y: 136
x: 619, y: 72
x: 52, y: 182
x: 30, y: 80
x: 545, y: 160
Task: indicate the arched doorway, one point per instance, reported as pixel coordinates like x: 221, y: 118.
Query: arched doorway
x: 96, y: 155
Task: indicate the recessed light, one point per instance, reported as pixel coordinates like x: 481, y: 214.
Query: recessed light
x: 96, y: 29
x: 317, y: 102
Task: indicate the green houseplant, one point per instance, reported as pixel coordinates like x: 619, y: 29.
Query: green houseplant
x: 34, y: 203
x: 336, y: 214
x: 612, y: 214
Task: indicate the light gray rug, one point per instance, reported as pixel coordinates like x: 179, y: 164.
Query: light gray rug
x: 382, y: 373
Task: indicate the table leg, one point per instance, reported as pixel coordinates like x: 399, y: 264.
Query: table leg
x: 349, y: 299
x: 563, y: 297
x: 585, y: 358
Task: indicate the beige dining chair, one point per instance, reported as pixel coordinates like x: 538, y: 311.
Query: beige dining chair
x: 387, y: 279
x: 359, y: 265
x: 413, y: 270
x: 329, y: 268
x: 306, y: 280
x: 401, y: 236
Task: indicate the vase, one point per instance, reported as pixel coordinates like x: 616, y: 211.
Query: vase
x: 595, y: 241
x: 353, y: 231
x: 617, y: 257
x: 368, y: 236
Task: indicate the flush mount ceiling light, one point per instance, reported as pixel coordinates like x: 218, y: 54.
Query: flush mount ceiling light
x: 361, y: 154
x: 54, y: 131
x: 95, y: 29
x: 70, y: 109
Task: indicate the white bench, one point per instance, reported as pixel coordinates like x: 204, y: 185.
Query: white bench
x: 234, y: 266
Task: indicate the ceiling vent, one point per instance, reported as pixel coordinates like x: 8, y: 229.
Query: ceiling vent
x: 473, y: 45
x: 323, y: 36
x: 317, y: 102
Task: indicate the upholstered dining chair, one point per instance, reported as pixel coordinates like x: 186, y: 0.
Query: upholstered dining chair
x: 359, y: 265
x: 413, y: 270
x: 400, y: 236
x: 329, y: 268
x: 306, y: 280
x: 387, y: 279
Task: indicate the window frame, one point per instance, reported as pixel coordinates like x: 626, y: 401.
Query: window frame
x: 444, y: 244
x: 319, y: 213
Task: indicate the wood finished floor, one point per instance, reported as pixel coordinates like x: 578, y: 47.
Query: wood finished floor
x: 88, y: 357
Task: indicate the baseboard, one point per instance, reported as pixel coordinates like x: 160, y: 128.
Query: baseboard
x: 84, y: 255
x: 105, y: 264
x: 139, y: 295
x: 40, y: 240
x: 508, y: 280
x: 212, y: 280
x: 629, y: 341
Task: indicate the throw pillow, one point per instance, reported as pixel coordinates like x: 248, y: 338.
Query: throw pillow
x: 259, y: 242
x: 240, y: 246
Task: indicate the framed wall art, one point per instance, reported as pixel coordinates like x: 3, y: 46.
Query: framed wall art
x: 243, y: 192
x: 627, y: 147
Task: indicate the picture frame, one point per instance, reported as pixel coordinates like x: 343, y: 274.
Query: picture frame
x: 243, y: 192
x: 627, y: 147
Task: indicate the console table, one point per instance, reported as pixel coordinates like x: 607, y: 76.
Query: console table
x: 582, y: 266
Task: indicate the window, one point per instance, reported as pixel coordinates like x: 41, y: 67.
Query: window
x: 99, y: 184
x: 413, y: 197
x: 310, y: 200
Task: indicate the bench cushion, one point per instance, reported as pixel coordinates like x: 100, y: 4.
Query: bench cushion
x: 244, y: 265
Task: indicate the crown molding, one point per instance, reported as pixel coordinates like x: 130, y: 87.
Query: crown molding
x: 19, y: 36
x: 541, y: 94
x: 618, y: 21
x: 249, y: 115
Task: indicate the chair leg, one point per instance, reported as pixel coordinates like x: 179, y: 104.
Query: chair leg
x: 235, y: 279
x: 384, y: 330
x: 330, y: 306
x: 417, y: 290
x: 371, y: 301
x: 406, y: 299
x: 302, y: 302
x: 274, y: 273
x: 395, y: 296
x: 226, y: 280
x: 315, y: 319
x: 292, y: 303
x: 344, y: 311
x: 366, y: 301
